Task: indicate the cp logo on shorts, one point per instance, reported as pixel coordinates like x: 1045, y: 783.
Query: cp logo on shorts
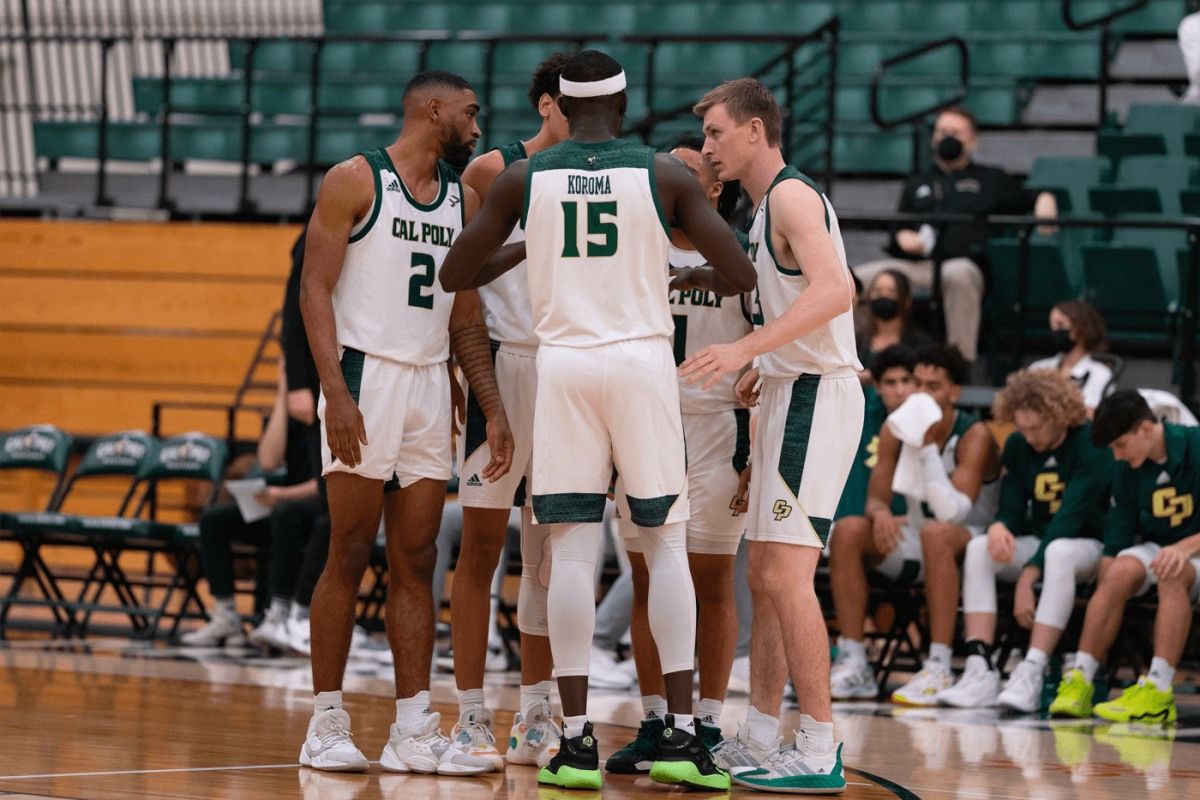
x: 781, y: 509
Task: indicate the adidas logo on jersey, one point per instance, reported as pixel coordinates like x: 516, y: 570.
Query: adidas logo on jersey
x: 1051, y: 462
x: 1163, y: 478
x: 474, y: 481
x: 394, y: 186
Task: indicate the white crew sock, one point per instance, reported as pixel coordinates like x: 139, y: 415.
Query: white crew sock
x: 573, y: 726
x: 939, y: 654
x: 470, y: 700
x: 226, y: 606
x: 853, y: 649
x: 298, y: 613
x: 654, y: 706
x: 1039, y: 658
x: 324, y: 701
x: 708, y: 712
x: 685, y: 722
x: 814, y: 738
x: 534, y: 694
x: 1087, y: 664
x: 278, y: 610
x: 411, y: 711
x: 763, y: 729
x: 1161, y: 674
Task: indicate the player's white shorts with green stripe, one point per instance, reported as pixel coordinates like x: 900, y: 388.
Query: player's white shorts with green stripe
x: 516, y: 377
x: 807, y: 437
x: 406, y: 412
x: 613, y: 405
x: 718, y: 449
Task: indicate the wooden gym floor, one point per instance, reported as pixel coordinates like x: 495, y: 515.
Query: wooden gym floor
x: 110, y: 719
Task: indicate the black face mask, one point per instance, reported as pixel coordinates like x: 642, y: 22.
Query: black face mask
x: 885, y: 308
x: 1062, y: 341
x: 949, y: 148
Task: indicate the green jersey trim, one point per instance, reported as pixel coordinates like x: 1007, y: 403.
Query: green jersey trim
x: 662, y: 217
x: 788, y: 173
x: 443, y: 181
x: 513, y: 151
x: 375, y: 162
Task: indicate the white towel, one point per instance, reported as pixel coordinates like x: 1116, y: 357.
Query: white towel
x: 1167, y: 407
x: 910, y: 422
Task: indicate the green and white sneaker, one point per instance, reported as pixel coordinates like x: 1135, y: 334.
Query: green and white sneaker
x: 684, y: 760
x: 576, y: 765
x: 793, y: 772
x: 1074, y: 698
x: 638, y: 756
x: 1143, y: 702
x: 741, y: 753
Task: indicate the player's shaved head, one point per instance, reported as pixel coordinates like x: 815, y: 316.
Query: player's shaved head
x: 431, y: 83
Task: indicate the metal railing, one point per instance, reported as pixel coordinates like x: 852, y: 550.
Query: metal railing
x: 1181, y: 325
x: 1104, y: 22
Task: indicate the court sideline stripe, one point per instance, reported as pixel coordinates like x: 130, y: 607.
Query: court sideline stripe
x: 894, y: 788
x: 289, y: 765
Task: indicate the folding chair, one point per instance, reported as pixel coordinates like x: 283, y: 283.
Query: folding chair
x: 39, y: 449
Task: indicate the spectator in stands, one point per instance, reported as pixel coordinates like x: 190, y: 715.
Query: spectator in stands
x: 955, y: 185
x: 1150, y: 539
x: 886, y: 319
x: 1189, y: 43
x: 294, y: 508
x: 851, y: 542
x: 1053, y: 498
x: 1077, y: 330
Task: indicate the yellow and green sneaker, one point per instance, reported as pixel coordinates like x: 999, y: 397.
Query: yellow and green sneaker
x: 576, y: 765
x: 1143, y: 702
x: 1074, y: 698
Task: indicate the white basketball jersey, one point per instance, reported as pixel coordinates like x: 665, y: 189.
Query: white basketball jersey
x: 703, y: 318
x: 388, y: 302
x: 506, y: 299
x: 596, y: 244
x: 828, y: 349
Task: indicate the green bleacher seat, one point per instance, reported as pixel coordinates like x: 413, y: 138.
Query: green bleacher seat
x: 1125, y: 284
x: 1051, y: 278
x: 216, y: 141
x: 1189, y: 202
x: 190, y: 95
x: 1156, y: 17
x: 1117, y: 145
x: 872, y: 152
x: 1069, y: 177
x: 1168, y: 175
x: 127, y: 141
x: 1171, y: 122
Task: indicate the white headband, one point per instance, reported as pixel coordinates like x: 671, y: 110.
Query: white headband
x: 592, y: 88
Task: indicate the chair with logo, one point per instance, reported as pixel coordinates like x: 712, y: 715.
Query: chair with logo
x: 178, y: 462
x: 39, y: 450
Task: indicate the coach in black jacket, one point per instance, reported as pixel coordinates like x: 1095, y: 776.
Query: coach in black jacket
x: 955, y: 185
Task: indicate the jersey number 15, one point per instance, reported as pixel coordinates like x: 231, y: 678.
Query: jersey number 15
x: 597, y: 228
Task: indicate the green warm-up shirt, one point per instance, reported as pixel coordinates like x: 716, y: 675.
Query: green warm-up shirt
x: 1157, y: 501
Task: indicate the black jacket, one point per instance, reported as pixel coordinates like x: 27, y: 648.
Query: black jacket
x: 976, y: 189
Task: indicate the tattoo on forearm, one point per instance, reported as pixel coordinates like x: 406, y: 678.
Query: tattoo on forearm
x: 473, y: 351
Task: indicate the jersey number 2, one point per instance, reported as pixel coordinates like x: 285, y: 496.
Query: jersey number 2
x: 422, y: 279
x: 596, y: 228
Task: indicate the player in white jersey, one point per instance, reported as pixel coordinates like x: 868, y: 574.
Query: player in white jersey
x: 597, y: 213
x: 381, y: 330
x: 717, y: 435
x: 809, y: 424
x: 485, y: 505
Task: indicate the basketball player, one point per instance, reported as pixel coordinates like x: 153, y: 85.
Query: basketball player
x: 717, y: 434
x: 811, y: 405
x: 597, y: 216
x: 381, y: 331
x: 486, y: 505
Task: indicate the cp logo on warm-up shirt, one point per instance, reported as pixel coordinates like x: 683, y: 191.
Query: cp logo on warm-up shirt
x: 1166, y: 502
x: 1048, y: 488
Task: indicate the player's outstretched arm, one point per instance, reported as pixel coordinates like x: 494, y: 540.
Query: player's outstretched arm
x: 468, y: 265
x: 731, y: 272
x: 345, y: 197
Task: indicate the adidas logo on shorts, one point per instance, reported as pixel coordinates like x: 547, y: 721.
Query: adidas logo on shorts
x: 474, y: 481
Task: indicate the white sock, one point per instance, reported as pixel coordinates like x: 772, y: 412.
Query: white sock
x: 814, y: 738
x: 411, y: 711
x: 709, y: 712
x: 470, y: 700
x: 1161, y: 674
x: 324, y: 701
x: 853, y: 649
x: 685, y: 722
x: 939, y: 654
x: 654, y: 706
x: 1039, y: 658
x: 226, y: 606
x: 278, y: 610
x: 298, y: 613
x: 763, y: 729
x: 978, y: 663
x: 573, y: 726
x: 533, y: 695
x: 1087, y: 664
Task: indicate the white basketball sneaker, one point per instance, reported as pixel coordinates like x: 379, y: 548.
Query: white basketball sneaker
x: 741, y: 753
x: 424, y: 748
x: 533, y: 741
x: 1023, y: 692
x: 922, y: 689
x: 852, y: 679
x: 300, y: 637
x: 978, y: 687
x: 272, y: 633
x: 222, y: 629
x: 328, y: 745
x: 473, y: 733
